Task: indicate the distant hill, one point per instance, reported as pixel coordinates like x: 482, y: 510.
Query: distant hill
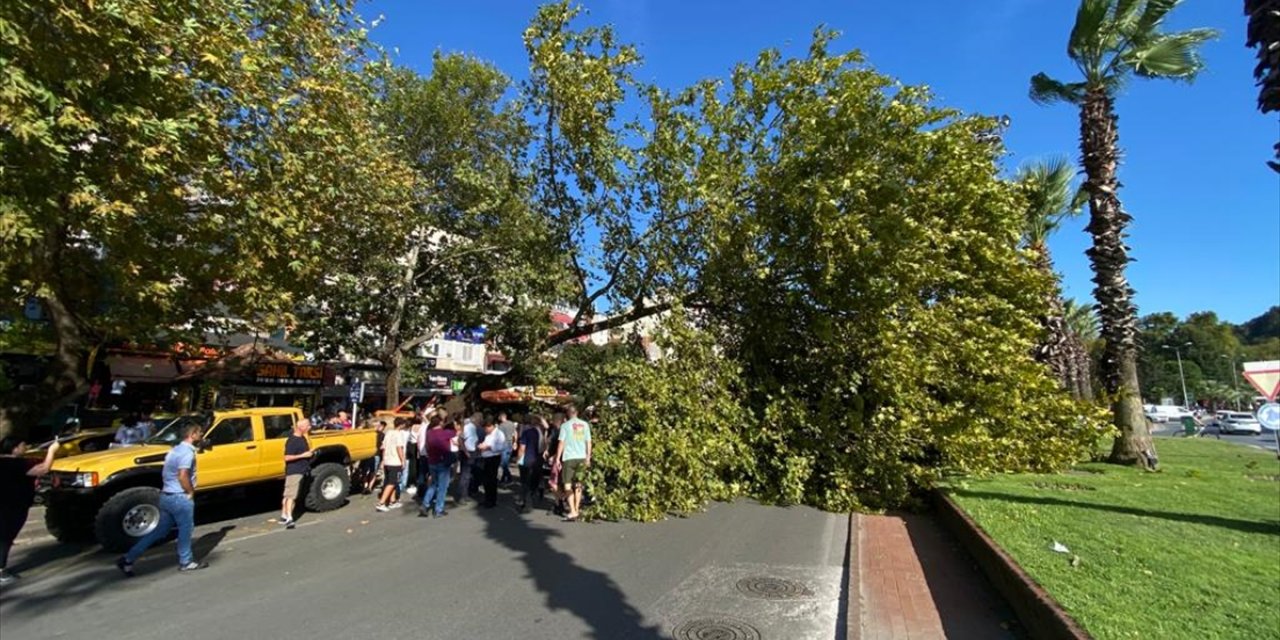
x: 1260, y: 328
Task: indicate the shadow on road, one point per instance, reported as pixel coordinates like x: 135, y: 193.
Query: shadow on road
x: 590, y: 595
x: 1246, y: 526
x: 967, y: 603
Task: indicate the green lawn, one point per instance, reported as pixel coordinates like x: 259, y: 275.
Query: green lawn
x: 1190, y: 552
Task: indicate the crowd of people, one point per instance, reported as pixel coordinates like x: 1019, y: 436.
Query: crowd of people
x: 473, y: 455
x: 436, y: 450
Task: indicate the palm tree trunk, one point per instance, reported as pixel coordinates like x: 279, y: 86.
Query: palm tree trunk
x: 1054, y: 349
x: 1099, y: 146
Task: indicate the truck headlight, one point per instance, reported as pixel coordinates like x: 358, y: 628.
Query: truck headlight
x: 74, y: 480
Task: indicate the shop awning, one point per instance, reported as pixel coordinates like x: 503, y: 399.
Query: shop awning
x: 142, y: 369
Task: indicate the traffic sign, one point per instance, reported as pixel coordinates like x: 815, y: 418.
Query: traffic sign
x: 357, y: 392
x: 1265, y: 377
x: 1269, y: 415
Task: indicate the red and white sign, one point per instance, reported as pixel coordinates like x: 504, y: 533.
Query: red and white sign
x: 1265, y: 377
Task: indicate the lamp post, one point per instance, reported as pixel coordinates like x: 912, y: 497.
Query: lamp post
x: 1234, y: 379
x: 1177, y: 352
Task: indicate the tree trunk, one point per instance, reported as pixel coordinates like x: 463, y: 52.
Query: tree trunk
x: 1058, y: 348
x: 66, y: 376
x: 1099, y: 147
x: 393, y: 348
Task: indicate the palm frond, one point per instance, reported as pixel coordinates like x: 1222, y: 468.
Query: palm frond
x: 1046, y: 90
x: 1081, y: 319
x: 1086, y: 42
x: 1047, y: 187
x: 1154, y: 13
x: 1174, y: 55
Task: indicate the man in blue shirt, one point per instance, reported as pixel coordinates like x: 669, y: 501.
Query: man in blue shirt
x: 177, y: 504
x: 574, y: 453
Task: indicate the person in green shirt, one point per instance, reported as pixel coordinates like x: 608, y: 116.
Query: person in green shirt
x: 574, y: 452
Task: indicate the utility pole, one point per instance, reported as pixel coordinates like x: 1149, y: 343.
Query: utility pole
x: 1186, y: 400
x: 1235, y: 387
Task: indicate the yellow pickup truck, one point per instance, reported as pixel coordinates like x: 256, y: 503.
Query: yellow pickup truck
x: 113, y: 495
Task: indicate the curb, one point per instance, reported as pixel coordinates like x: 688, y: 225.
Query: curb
x: 1041, y: 616
x: 854, y: 600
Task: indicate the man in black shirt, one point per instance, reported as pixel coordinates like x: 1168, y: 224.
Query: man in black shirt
x: 297, y: 461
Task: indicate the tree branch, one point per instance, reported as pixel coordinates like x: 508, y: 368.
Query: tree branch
x: 613, y: 322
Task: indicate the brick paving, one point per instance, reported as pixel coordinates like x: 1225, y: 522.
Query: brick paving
x: 914, y: 583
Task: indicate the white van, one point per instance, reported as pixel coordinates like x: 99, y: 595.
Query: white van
x: 1165, y: 412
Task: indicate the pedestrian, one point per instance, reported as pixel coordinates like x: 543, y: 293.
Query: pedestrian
x: 529, y: 458
x: 297, y: 462
x: 129, y: 433
x: 421, y: 475
x: 17, y: 485
x: 177, y: 504
x: 490, y: 457
x: 392, y: 466
x: 467, y: 478
x: 574, y: 453
x: 508, y: 429
x: 441, y: 446
x: 344, y: 421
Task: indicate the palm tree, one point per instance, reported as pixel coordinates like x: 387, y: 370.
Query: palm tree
x: 1081, y: 320
x: 1264, y: 33
x: 1048, y: 190
x: 1113, y: 40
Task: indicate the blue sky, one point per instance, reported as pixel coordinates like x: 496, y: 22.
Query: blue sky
x: 1206, y: 231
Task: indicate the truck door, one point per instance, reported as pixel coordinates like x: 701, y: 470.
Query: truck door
x: 276, y: 429
x: 235, y: 454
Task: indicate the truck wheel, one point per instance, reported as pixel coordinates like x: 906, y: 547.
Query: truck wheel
x: 126, y: 517
x: 328, y: 487
x: 66, y: 523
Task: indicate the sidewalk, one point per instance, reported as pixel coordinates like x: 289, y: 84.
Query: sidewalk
x: 914, y: 583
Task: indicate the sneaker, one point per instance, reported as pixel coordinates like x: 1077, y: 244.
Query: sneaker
x: 382, y: 508
x: 411, y: 491
x: 284, y: 520
x: 125, y: 567
x: 193, y: 566
x: 7, y: 578
x: 289, y: 524
x: 396, y: 505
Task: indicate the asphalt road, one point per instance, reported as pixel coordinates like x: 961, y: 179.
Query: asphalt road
x: 356, y: 573
x: 1265, y: 441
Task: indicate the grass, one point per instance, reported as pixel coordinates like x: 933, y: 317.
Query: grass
x: 1190, y: 552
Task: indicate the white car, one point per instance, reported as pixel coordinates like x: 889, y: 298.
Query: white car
x: 1165, y: 412
x: 1238, y: 422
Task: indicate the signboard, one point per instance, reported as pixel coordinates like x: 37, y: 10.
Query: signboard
x: 1269, y: 415
x: 357, y: 392
x: 1265, y: 377
x: 469, y: 335
x: 288, y: 374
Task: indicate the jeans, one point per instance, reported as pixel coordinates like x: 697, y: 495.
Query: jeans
x: 420, y: 480
x: 175, y: 509
x: 489, y: 478
x: 506, y: 466
x: 530, y: 478
x: 440, y: 474
x: 464, y: 479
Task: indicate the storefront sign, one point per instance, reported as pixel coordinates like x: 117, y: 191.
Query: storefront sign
x: 288, y: 374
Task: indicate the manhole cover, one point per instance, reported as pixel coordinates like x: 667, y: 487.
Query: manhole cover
x: 772, y: 588
x: 715, y: 629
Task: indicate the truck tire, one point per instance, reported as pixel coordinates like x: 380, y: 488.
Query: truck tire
x: 126, y: 517
x: 66, y: 523
x: 327, y: 487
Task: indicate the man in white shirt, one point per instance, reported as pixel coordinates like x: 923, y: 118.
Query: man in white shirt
x: 468, y: 479
x: 393, y: 444
x: 418, y: 455
x: 491, y: 450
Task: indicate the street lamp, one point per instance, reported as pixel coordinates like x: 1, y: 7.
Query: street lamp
x: 1234, y: 379
x: 1186, y: 401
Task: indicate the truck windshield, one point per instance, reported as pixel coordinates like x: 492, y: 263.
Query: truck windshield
x: 171, y: 434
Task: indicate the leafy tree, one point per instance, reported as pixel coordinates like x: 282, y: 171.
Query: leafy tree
x: 166, y: 163
x: 1113, y: 40
x: 1048, y: 190
x: 863, y: 268
x: 1264, y: 35
x: 465, y: 250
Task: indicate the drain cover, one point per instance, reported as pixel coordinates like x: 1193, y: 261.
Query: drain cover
x: 772, y: 588
x: 715, y: 629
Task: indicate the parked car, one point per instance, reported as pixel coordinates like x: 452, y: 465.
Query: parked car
x: 1238, y: 422
x: 1165, y: 412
